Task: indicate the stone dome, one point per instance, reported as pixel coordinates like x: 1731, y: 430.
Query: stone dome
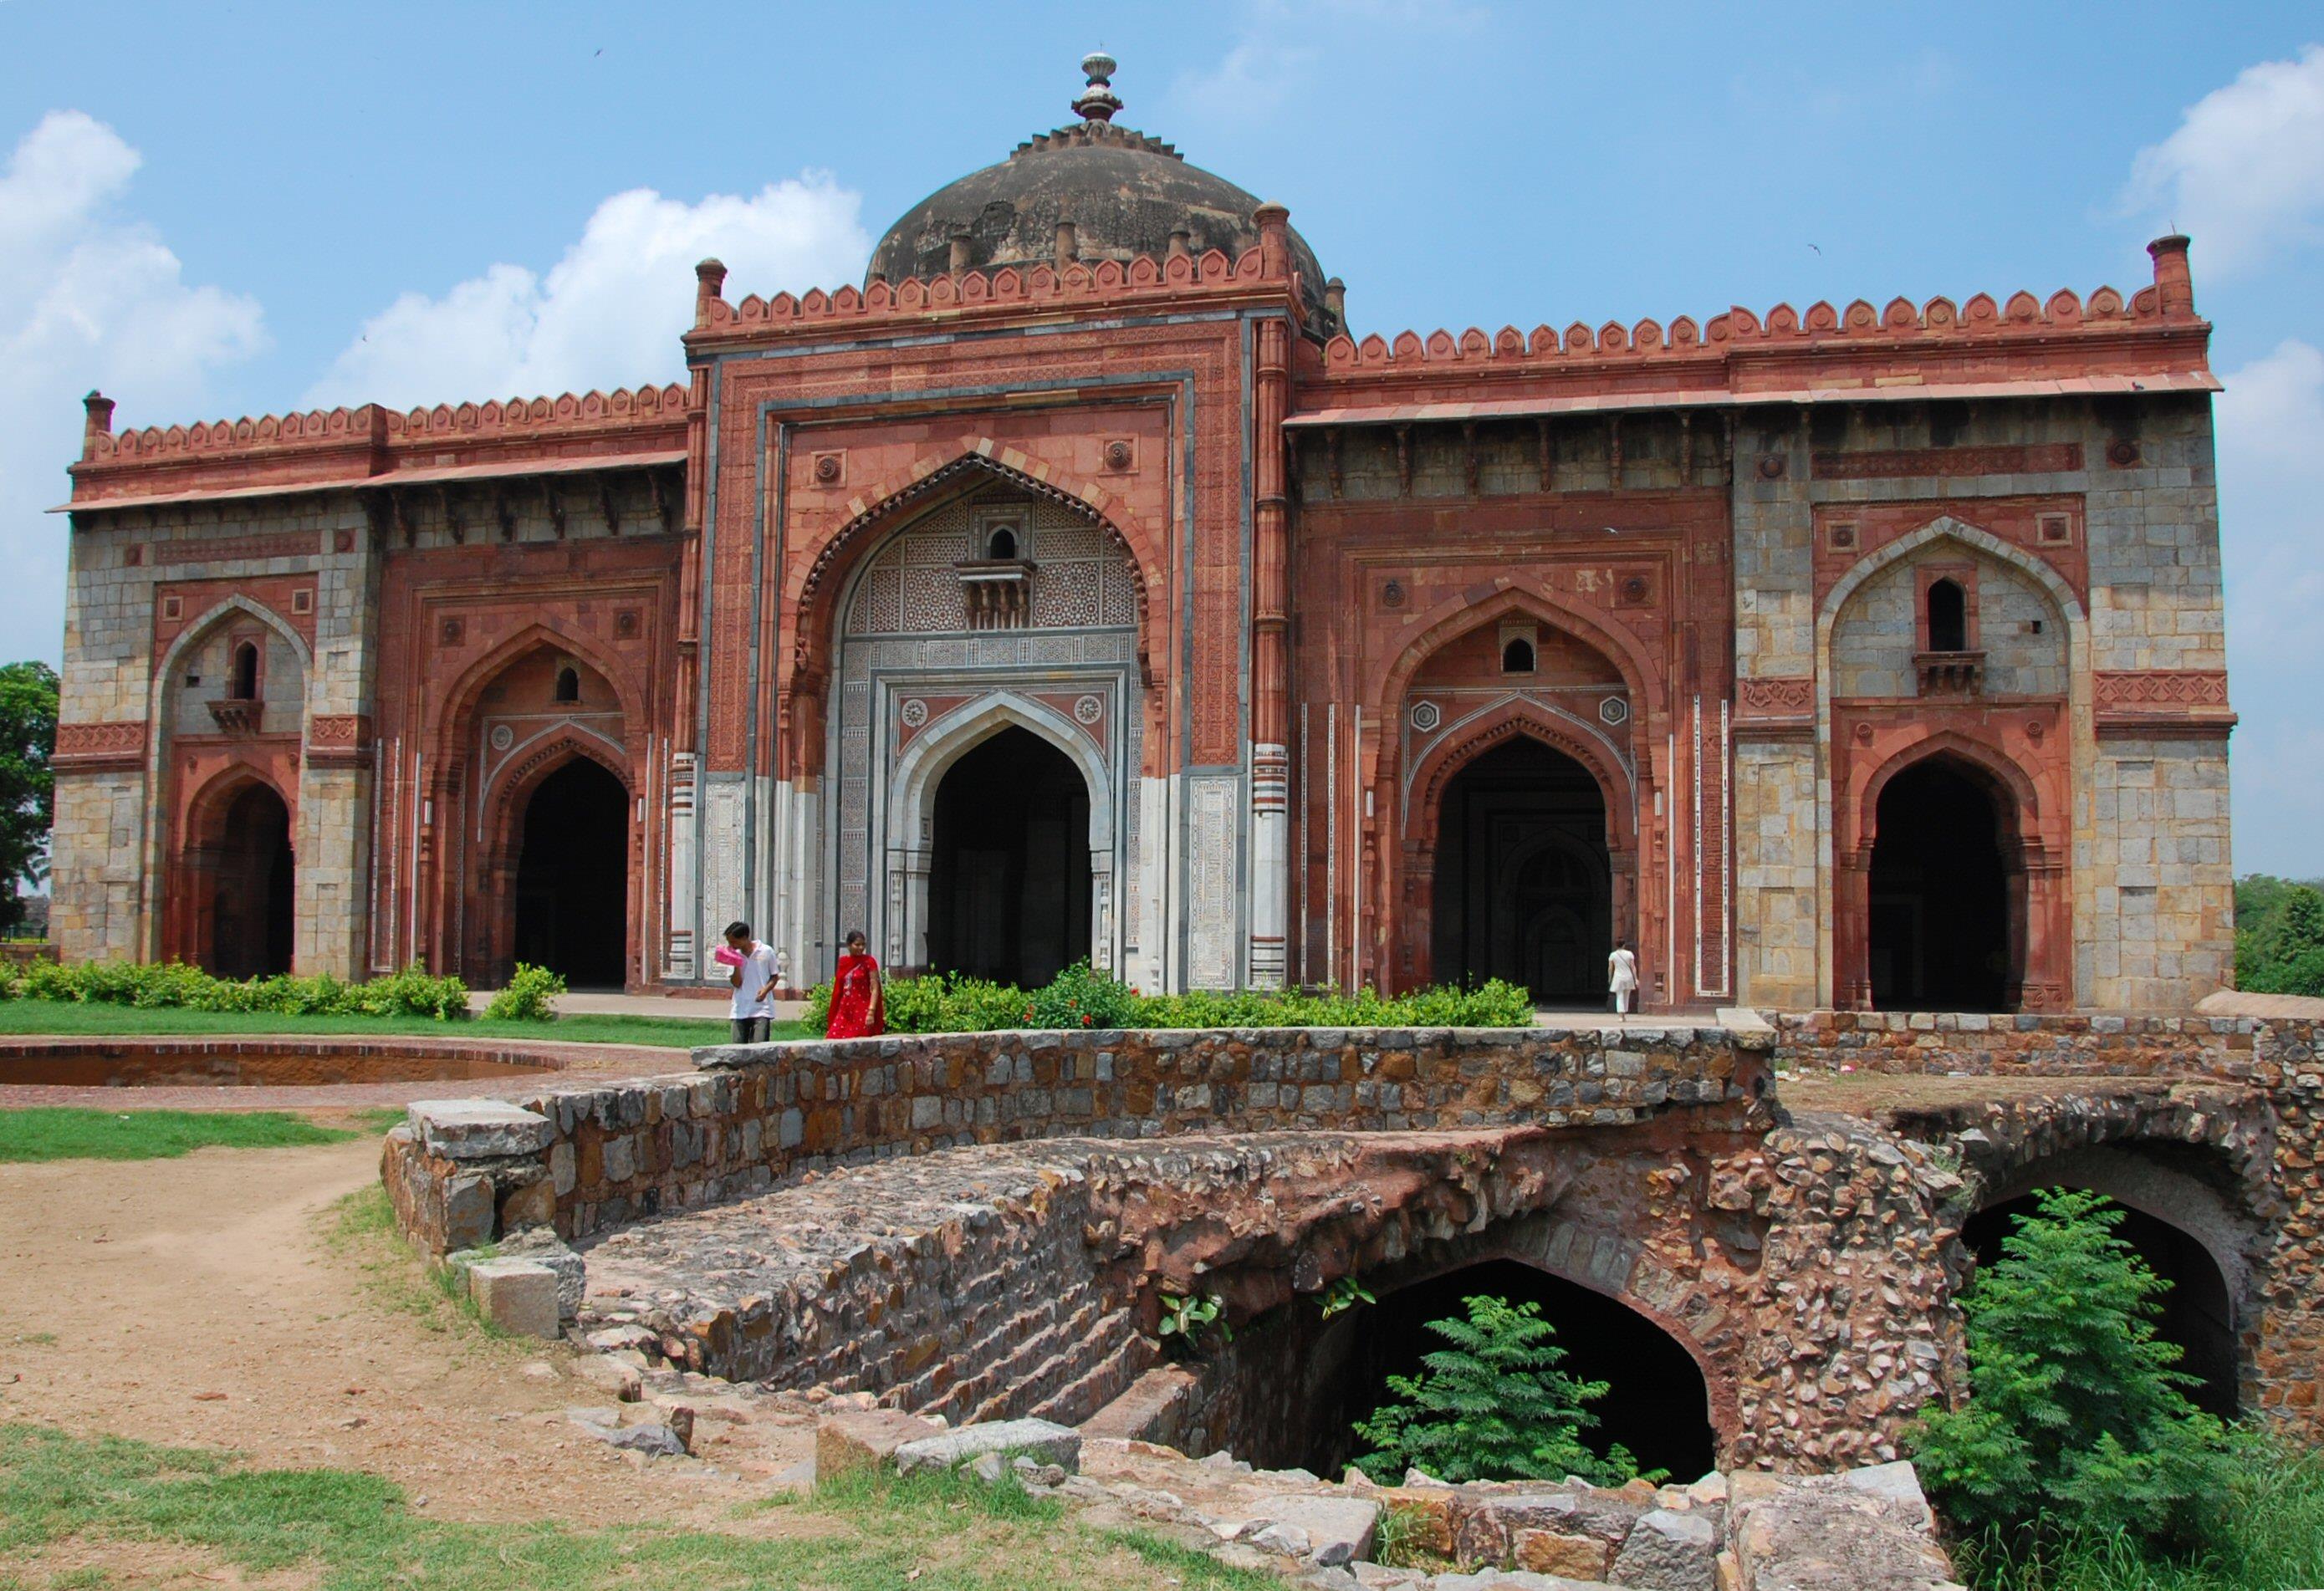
x: 1124, y: 192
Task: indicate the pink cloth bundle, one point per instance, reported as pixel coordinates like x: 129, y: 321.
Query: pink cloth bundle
x: 726, y: 955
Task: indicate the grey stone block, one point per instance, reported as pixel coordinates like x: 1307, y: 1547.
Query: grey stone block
x: 1039, y: 1439
x: 477, y: 1129
x: 516, y: 1295
x: 1668, y: 1551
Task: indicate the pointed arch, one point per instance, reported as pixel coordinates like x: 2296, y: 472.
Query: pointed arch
x: 1435, y: 769
x: 200, y: 631
x: 933, y: 481
x: 1457, y: 616
x: 933, y: 751
x: 2021, y: 807
x: 901, y: 908
x: 1946, y: 527
x: 451, y: 712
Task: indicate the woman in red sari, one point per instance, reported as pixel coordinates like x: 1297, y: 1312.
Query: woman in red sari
x: 859, y: 1002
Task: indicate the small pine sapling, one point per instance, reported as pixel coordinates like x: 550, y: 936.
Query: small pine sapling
x: 1492, y: 1405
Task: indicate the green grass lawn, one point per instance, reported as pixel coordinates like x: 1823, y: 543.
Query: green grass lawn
x: 55, y: 1133
x: 356, y: 1533
x: 71, y: 1018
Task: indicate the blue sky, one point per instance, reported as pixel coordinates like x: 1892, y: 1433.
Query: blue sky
x: 246, y: 207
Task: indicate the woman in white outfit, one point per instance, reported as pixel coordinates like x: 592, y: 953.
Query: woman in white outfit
x: 1622, y: 975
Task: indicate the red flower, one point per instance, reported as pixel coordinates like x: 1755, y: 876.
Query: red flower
x: 1085, y: 1022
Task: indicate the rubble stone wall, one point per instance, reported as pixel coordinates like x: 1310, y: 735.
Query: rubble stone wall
x: 2020, y: 1046
x: 756, y: 1114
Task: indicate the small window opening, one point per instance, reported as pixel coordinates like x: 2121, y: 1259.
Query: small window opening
x: 568, y: 685
x: 2036, y: 626
x: 1001, y: 544
x: 1947, y: 617
x: 245, y: 672
x: 1516, y: 657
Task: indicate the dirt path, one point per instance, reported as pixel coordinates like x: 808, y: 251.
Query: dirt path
x: 198, y: 1301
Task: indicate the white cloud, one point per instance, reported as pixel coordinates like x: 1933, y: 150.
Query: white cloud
x: 2243, y: 174
x: 2270, y: 457
x: 87, y: 298
x: 610, y: 312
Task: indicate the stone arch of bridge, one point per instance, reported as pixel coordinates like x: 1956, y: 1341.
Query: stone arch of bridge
x: 2187, y: 1218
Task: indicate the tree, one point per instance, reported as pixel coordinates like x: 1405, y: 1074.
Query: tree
x: 2283, y: 953
x: 28, y: 738
x: 2077, y: 1414
x: 1492, y: 1406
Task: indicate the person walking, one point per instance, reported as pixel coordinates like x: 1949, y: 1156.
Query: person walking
x: 751, y: 1008
x: 1622, y: 976
x: 859, y: 1000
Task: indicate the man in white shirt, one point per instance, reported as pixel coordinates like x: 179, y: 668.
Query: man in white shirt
x: 752, y: 1006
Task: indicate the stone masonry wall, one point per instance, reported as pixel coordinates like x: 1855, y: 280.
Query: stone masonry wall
x: 1949, y: 1043
x: 2288, y: 1353
x: 755, y: 1114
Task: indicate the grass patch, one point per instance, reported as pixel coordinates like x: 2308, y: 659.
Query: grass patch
x: 2270, y: 1536
x: 357, y: 1532
x: 70, y: 1018
x: 61, y: 1133
x: 360, y: 1229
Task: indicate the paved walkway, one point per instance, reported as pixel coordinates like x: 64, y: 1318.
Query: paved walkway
x: 710, y: 1007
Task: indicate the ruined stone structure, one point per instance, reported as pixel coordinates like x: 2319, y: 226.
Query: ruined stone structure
x: 987, y: 1226
x: 1082, y: 583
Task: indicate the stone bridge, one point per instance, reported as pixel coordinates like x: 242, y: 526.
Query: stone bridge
x: 987, y: 1226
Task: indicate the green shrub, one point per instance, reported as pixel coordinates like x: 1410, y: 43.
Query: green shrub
x: 1080, y: 997
x: 1492, y: 1406
x: 173, y: 985
x: 2076, y: 1412
x: 528, y: 997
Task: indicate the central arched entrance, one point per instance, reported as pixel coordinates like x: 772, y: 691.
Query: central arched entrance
x: 1939, y: 894
x: 572, y: 871
x: 1009, y: 876
x: 254, y: 888
x: 1524, y: 887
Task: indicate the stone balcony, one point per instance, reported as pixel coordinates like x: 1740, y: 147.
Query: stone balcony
x: 1950, y: 674
x: 237, y: 715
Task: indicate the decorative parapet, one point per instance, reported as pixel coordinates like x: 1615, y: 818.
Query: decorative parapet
x: 1008, y: 287
x: 369, y: 446
x: 99, y: 747
x: 2163, y: 702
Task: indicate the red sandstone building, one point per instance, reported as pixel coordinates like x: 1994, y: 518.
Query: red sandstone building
x: 1080, y: 585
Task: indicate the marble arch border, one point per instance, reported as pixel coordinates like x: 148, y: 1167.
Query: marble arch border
x: 909, y: 803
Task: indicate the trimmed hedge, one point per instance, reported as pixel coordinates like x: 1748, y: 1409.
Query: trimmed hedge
x: 165, y: 984
x: 1080, y: 997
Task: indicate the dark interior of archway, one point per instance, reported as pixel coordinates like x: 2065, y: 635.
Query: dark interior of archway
x: 1655, y: 1403
x: 2196, y: 1313
x: 572, y: 877
x: 1008, y: 881
x: 256, y: 888
x: 1940, y: 925
x: 1524, y: 887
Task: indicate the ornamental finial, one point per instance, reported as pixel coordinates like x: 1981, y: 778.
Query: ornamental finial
x: 1097, y: 102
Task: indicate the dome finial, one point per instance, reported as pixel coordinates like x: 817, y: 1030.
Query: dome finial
x: 1097, y: 102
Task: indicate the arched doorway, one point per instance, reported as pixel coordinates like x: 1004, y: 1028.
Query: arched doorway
x: 253, y: 887
x: 1009, y: 876
x: 572, y: 877
x: 1524, y: 884
x: 1939, y: 895
x: 1657, y: 1404
x: 2198, y: 1314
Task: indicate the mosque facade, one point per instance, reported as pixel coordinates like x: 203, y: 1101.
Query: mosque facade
x: 1081, y: 584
